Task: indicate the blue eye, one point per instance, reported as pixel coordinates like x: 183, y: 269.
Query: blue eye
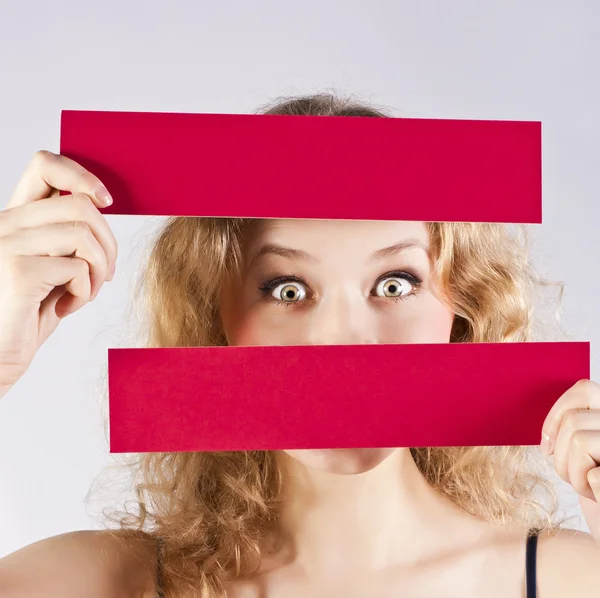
x: 290, y: 292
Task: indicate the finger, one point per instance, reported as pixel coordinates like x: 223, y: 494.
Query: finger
x: 61, y: 240
x: 48, y: 171
x: 35, y: 277
x: 585, y: 394
x: 584, y: 456
x: 78, y: 289
x: 593, y: 479
x: 47, y: 313
x: 68, y: 301
x: 573, y: 421
x: 61, y: 209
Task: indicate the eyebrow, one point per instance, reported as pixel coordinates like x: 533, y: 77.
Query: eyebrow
x: 299, y: 254
x: 287, y: 252
x: 397, y: 248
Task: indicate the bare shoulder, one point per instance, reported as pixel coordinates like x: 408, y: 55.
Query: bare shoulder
x: 568, y: 564
x: 96, y: 564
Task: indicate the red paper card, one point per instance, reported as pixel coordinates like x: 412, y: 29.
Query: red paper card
x: 337, y: 396
x: 267, y: 166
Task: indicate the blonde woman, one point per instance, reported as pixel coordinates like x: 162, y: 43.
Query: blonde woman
x: 337, y: 523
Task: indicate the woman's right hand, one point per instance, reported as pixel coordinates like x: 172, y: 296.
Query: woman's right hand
x: 55, y: 254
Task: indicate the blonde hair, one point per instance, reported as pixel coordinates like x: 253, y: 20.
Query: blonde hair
x: 211, y: 510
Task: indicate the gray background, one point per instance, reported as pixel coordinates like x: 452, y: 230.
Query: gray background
x: 465, y: 59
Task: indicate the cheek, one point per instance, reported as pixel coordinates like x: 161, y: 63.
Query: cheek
x: 250, y: 330
x: 426, y: 321
x: 264, y: 325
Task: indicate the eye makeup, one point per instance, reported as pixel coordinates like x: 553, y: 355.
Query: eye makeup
x: 415, y: 281
x: 268, y: 286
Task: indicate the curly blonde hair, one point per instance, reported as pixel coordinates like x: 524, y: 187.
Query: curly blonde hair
x: 211, y: 510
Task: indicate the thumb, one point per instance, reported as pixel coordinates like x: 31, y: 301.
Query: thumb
x: 591, y: 514
x: 49, y: 320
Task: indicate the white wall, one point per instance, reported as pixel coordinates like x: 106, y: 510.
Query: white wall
x: 536, y: 60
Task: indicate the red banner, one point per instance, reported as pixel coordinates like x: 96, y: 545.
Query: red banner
x: 268, y: 166
x: 337, y: 396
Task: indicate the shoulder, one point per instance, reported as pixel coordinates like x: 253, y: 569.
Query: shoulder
x: 568, y: 564
x: 96, y: 564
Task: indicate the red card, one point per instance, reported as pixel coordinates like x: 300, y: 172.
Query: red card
x: 268, y: 166
x: 337, y: 396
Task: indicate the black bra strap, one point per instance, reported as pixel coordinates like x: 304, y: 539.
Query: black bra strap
x: 530, y: 564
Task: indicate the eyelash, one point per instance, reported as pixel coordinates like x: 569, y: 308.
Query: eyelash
x: 268, y: 286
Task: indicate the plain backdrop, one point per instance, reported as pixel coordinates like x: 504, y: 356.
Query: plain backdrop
x: 534, y: 60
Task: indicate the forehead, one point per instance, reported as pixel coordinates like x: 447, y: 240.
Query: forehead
x: 366, y: 234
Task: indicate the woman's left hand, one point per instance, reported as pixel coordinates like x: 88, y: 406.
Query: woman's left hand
x: 571, y: 432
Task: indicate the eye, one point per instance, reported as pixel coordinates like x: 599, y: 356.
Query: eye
x: 396, y: 286
x: 290, y: 292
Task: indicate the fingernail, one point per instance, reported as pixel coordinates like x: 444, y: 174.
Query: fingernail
x: 103, y: 196
x: 546, y: 444
x: 111, y: 272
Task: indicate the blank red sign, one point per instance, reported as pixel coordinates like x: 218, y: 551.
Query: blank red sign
x: 268, y: 166
x: 337, y: 396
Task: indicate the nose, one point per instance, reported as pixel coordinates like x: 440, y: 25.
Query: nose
x: 342, y: 319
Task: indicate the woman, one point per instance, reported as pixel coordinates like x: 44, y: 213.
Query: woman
x: 426, y: 522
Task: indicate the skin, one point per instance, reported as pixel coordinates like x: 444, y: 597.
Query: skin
x: 342, y: 299
x: 55, y: 255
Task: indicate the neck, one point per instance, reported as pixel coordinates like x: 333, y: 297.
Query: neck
x: 388, y: 515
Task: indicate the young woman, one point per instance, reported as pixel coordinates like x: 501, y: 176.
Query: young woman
x: 348, y: 523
